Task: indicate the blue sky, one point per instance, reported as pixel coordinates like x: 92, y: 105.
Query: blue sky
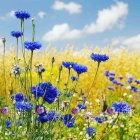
x: 76, y: 22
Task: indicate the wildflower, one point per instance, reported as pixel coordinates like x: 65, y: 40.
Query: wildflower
x: 50, y: 116
x: 74, y: 78
x: 111, y: 78
x: 3, y: 110
x: 40, y: 110
x: 112, y: 74
x: 32, y: 45
x: 107, y: 73
x: 16, y: 70
x: 16, y: 34
x: 19, y: 123
x: 137, y: 82
x: 68, y: 120
x: 22, y: 14
x: 79, y: 68
x: 120, y: 77
x: 19, y: 97
x: 23, y: 106
x: 74, y: 111
x: 98, y: 119
x: 40, y: 89
x: 51, y: 94
x: 8, y: 124
x: 81, y: 106
x: 110, y: 88
x: 68, y: 65
x: 109, y: 110
x: 99, y: 57
x: 39, y: 68
x: 122, y: 107
x: 90, y: 130
x: 45, y: 90
x: 134, y: 89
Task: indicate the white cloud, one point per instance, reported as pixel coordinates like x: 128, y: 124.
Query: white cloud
x: 60, y: 32
x: 132, y: 42
x: 108, y: 18
x: 41, y: 14
x: 71, y: 7
x: 11, y: 13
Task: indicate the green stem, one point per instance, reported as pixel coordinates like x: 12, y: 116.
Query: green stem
x: 4, y: 73
x: 17, y: 49
x: 93, y: 80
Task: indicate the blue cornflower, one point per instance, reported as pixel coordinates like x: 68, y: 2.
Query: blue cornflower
x: 40, y: 110
x: 90, y: 130
x: 111, y: 78
x: 22, y: 14
x: 50, y: 116
x: 68, y: 120
x: 107, y: 73
x: 51, y: 94
x: 130, y: 80
x: 19, y: 123
x: 120, y: 77
x: 68, y: 65
x: 32, y: 45
x: 115, y: 82
x: 19, y: 97
x: 16, y: 34
x: 122, y: 107
x: 99, y: 119
x: 134, y: 89
x: 81, y: 106
x: 110, y: 88
x: 137, y: 82
x: 79, y: 68
x: 23, y: 106
x: 74, y: 78
x: 40, y: 89
x: 99, y: 57
x: 8, y: 124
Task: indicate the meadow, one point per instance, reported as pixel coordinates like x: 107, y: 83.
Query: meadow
x: 91, y: 93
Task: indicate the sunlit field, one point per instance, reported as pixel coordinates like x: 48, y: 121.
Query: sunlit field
x: 91, y: 93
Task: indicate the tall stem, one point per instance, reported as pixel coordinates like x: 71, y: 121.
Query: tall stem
x: 4, y: 73
x: 17, y: 49
x: 93, y: 80
x: 31, y: 61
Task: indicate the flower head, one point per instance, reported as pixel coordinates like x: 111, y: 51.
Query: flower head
x: 19, y: 97
x: 40, y: 110
x: 16, y: 70
x: 81, y: 106
x: 74, y: 78
x: 79, y: 68
x: 68, y: 120
x: 90, y: 130
x: 99, y: 119
x: 16, y: 34
x: 45, y: 90
x: 8, y: 124
x: 99, y: 57
x: 3, y: 110
x: 22, y: 14
x: 68, y: 65
x: 39, y: 68
x: 23, y: 106
x: 32, y: 45
x: 122, y: 107
x: 74, y: 111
